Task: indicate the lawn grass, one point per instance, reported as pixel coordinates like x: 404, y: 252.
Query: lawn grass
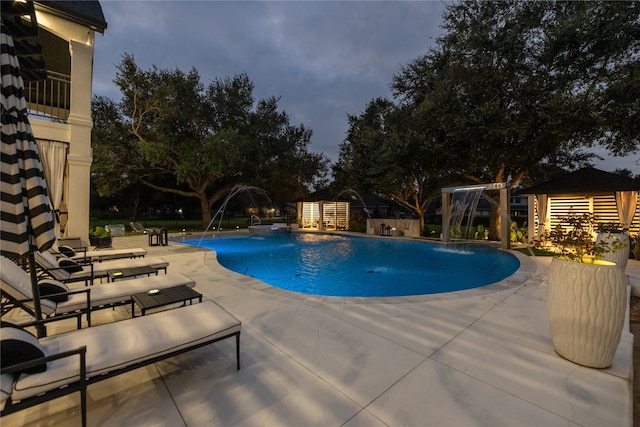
x: 178, y: 225
x: 533, y: 251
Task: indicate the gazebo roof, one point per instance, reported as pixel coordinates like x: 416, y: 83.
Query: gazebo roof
x: 588, y: 180
x: 324, y: 195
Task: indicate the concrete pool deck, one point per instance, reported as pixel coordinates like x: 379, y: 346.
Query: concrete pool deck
x: 473, y: 358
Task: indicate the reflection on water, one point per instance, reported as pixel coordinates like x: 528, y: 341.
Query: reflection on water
x: 338, y: 265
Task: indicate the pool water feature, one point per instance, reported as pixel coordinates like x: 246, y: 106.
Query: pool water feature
x: 269, y: 228
x: 346, y: 266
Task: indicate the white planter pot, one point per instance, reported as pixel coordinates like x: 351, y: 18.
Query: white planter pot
x: 587, y: 304
x: 621, y: 256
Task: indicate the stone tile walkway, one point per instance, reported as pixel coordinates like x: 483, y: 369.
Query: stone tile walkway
x: 473, y: 358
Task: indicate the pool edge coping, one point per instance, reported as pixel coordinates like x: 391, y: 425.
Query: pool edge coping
x: 523, y: 274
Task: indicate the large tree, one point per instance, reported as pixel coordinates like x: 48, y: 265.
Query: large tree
x: 207, y: 139
x: 512, y: 86
x: 386, y: 155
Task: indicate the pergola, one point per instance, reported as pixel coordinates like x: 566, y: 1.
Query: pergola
x: 321, y: 211
x: 504, y: 209
x: 611, y: 197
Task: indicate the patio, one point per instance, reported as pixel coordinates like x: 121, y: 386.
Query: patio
x: 474, y: 358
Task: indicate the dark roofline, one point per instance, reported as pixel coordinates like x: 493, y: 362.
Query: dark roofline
x: 588, y: 180
x: 87, y: 13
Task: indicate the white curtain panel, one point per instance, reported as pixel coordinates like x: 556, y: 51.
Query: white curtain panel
x: 626, y: 202
x: 542, y: 212
x: 53, y: 155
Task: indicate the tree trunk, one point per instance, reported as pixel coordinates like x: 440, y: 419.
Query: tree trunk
x: 136, y: 204
x: 205, y: 209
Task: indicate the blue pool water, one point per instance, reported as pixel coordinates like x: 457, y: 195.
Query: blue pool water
x: 339, y: 265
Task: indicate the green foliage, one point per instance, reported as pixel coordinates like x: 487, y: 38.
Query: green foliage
x: 385, y: 154
x: 610, y: 227
x: 533, y: 251
x: 358, y: 223
x: 481, y: 233
x: 516, y: 234
x: 111, y: 144
x: 510, y: 88
x: 100, y: 231
x: 174, y: 134
x: 573, y: 237
x: 540, y: 75
x: 432, y: 230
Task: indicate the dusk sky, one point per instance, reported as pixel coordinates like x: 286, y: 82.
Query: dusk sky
x: 324, y: 60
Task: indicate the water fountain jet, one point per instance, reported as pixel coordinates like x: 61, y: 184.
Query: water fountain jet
x: 464, y: 200
x: 504, y: 210
x: 238, y: 188
x: 366, y: 210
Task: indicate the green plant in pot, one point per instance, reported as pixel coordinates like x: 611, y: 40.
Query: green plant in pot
x: 100, y: 237
x: 636, y: 247
x: 612, y: 234
x: 586, y: 295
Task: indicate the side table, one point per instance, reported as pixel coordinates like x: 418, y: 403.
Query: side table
x: 148, y: 300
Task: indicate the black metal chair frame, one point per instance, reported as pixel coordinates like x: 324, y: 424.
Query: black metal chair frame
x: 81, y: 385
x: 9, y: 303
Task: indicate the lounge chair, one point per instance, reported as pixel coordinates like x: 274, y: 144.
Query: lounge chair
x: 67, y: 270
x: 15, y: 285
x: 139, y: 228
x: 102, y: 255
x: 82, y: 357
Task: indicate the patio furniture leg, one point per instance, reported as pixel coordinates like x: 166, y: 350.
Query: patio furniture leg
x: 83, y: 387
x: 238, y: 351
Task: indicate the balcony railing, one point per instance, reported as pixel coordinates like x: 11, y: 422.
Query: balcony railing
x: 50, y: 98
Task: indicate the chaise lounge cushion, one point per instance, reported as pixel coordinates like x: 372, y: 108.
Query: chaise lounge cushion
x: 120, y: 344
x: 49, y: 287
x: 67, y: 251
x: 70, y: 265
x: 18, y: 346
x: 111, y: 254
x: 100, y: 269
x: 110, y: 293
x: 17, y: 284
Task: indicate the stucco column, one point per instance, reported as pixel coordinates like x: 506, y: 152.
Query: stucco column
x: 505, y: 212
x: 321, y: 214
x: 80, y: 154
x: 446, y: 217
x: 531, y: 217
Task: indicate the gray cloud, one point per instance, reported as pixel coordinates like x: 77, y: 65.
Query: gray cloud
x: 324, y: 59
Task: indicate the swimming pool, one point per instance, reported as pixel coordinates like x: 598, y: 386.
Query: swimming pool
x: 349, y: 266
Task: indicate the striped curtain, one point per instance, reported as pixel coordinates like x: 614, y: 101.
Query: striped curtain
x: 25, y: 211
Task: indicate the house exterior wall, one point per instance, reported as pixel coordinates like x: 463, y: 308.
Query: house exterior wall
x: 77, y: 129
